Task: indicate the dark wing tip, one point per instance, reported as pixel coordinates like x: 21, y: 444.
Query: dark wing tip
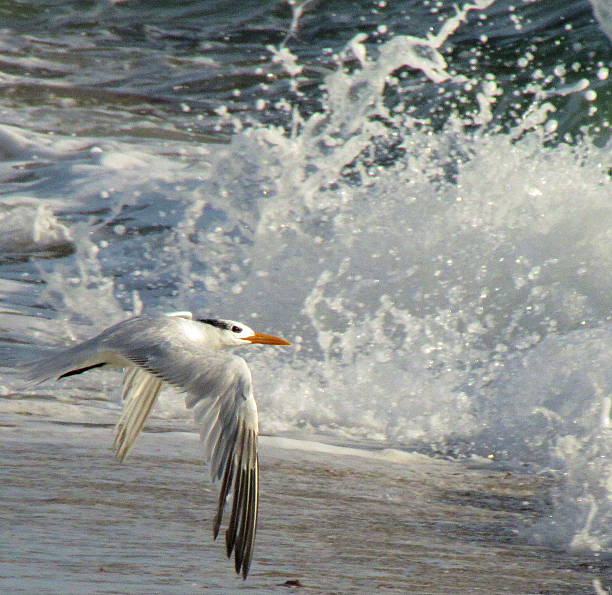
x: 81, y: 370
x: 242, y: 470
x: 226, y: 485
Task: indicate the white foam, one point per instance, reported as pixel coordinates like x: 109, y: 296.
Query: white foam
x: 387, y: 454
x: 30, y: 226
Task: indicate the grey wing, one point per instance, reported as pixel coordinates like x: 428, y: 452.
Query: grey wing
x: 219, y: 390
x: 229, y: 429
x: 101, y: 350
x: 139, y: 391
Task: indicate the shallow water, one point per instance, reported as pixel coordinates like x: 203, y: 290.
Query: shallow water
x: 335, y: 519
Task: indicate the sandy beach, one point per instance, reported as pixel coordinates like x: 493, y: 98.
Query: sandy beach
x: 333, y: 520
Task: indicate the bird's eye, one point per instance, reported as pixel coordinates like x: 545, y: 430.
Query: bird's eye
x: 236, y: 329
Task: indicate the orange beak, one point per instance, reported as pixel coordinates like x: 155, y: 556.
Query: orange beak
x: 266, y: 339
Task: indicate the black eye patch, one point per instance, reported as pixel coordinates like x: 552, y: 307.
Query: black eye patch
x: 221, y: 324
x: 214, y: 322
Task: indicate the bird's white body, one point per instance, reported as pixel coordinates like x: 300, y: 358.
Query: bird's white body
x: 192, y: 356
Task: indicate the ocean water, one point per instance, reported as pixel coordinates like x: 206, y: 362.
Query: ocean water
x: 416, y: 194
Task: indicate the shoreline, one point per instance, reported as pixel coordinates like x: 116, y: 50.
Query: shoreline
x: 333, y: 518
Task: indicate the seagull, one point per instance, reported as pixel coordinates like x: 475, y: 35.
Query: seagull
x: 191, y: 355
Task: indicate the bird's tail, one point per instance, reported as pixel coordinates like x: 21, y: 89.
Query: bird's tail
x: 74, y: 360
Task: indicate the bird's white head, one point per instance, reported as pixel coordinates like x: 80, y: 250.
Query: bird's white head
x: 230, y: 333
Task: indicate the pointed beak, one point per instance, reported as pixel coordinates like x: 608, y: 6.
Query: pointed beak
x: 266, y: 339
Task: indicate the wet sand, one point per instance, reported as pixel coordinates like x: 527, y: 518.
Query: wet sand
x: 76, y: 521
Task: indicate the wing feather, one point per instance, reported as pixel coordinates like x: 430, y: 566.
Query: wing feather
x: 140, y: 390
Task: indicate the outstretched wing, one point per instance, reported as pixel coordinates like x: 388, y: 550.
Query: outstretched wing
x: 219, y: 390
x: 139, y: 391
x: 229, y: 428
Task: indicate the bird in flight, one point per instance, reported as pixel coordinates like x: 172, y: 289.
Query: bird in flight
x: 189, y: 354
